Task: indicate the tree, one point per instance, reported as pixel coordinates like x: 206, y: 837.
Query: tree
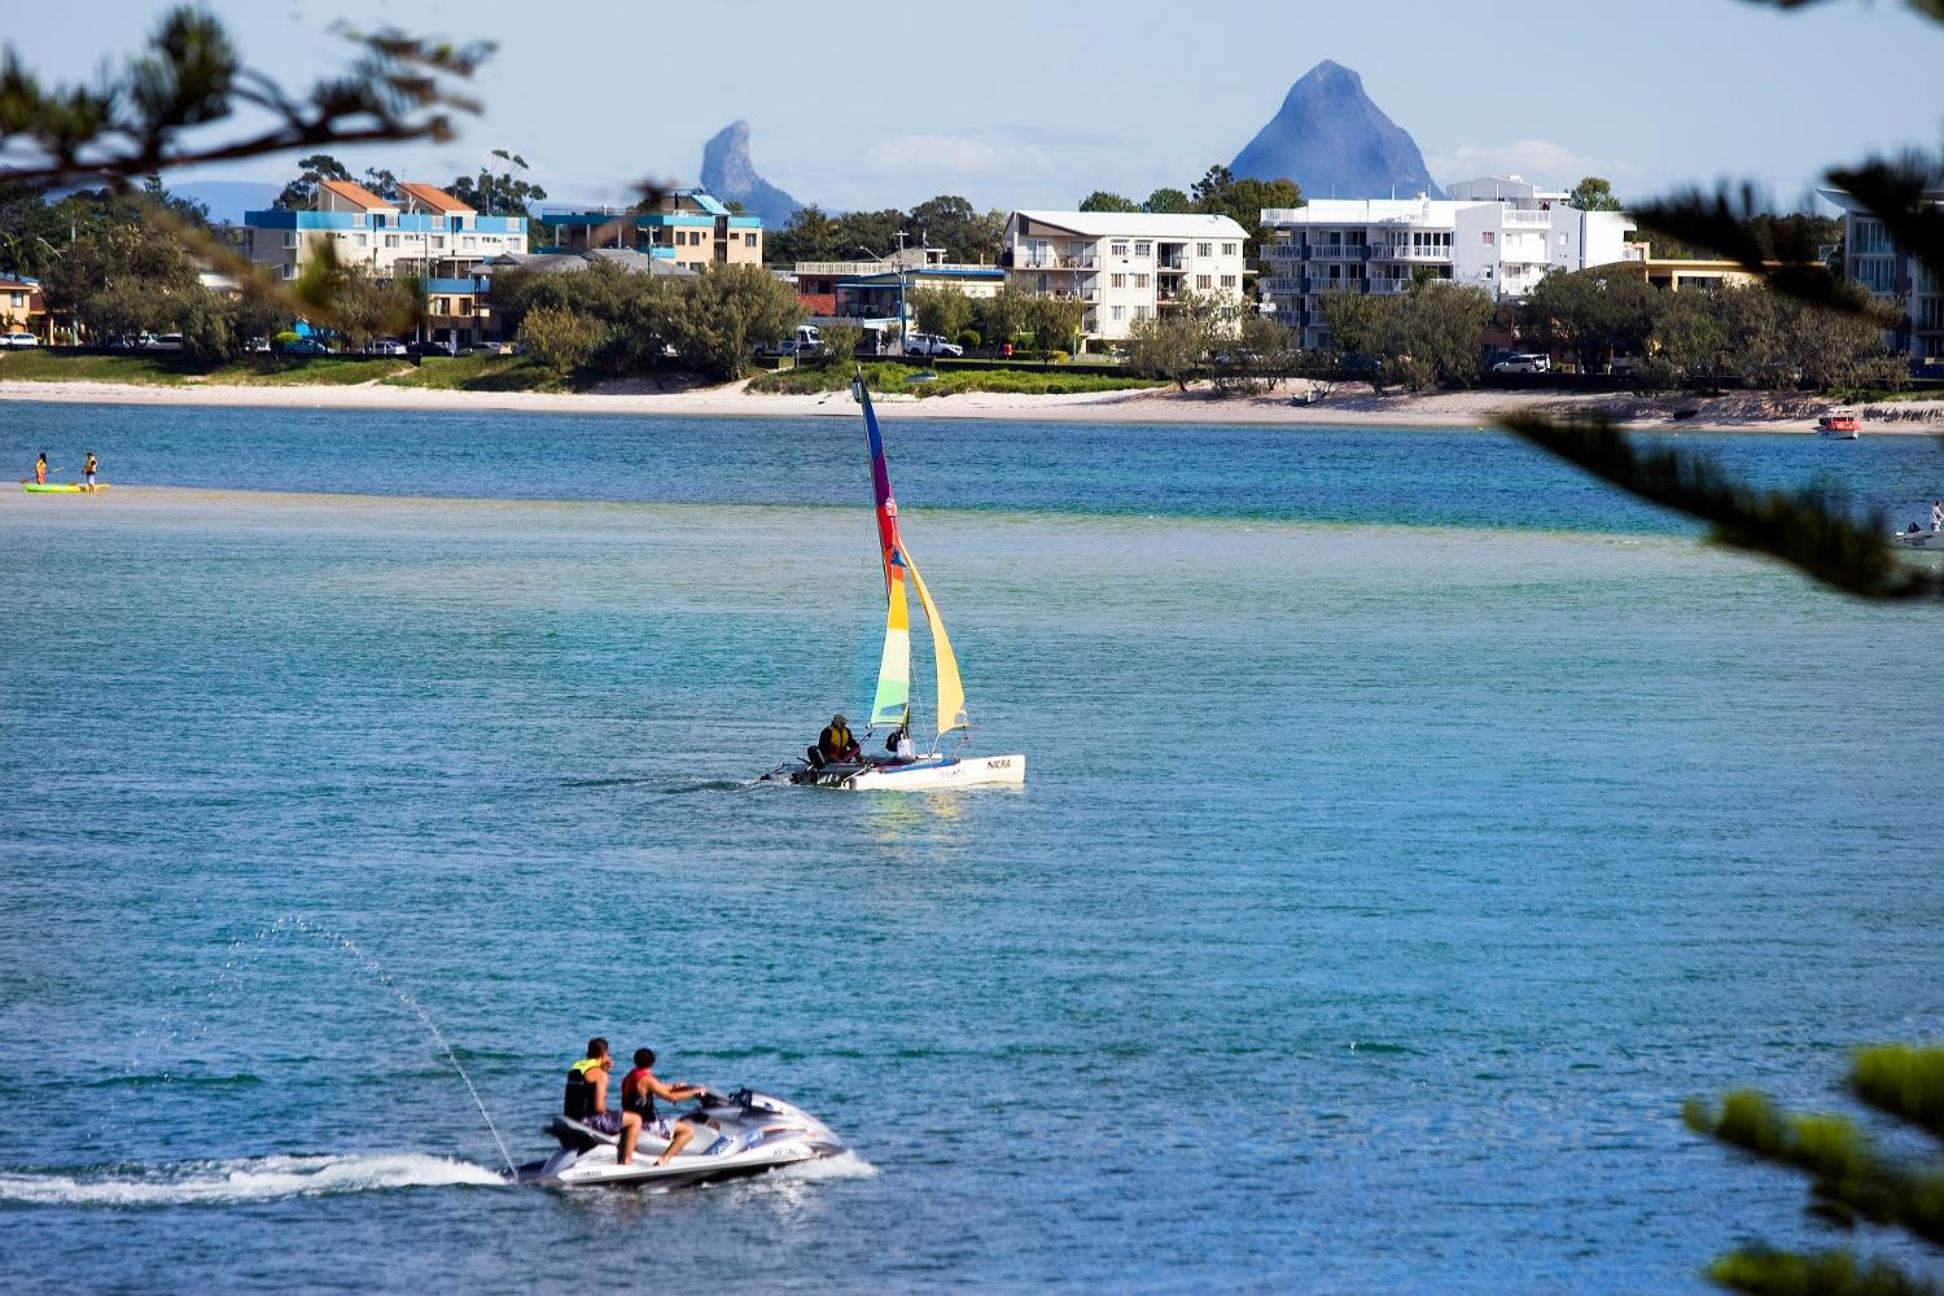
x: 1424, y: 337
x: 944, y: 311
x: 1220, y: 193
x: 1593, y: 194
x: 562, y: 340
x: 1595, y: 313
x: 381, y: 182
x: 1002, y: 316
x: 810, y: 236
x: 952, y: 223
x: 841, y: 341
x: 501, y: 192
x: 1167, y: 346
x: 301, y: 193
x: 728, y: 311
x: 1102, y: 201
x: 1168, y: 202
x: 1054, y: 321
x: 140, y: 120
x: 118, y: 280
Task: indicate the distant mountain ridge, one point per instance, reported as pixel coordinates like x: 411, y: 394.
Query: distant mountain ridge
x: 1333, y: 141
x: 728, y: 173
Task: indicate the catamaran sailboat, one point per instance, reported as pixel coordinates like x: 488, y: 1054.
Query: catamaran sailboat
x: 891, y: 705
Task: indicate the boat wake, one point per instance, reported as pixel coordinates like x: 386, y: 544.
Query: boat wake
x: 253, y: 1180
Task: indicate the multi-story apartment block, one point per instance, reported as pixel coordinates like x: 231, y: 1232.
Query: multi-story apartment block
x: 690, y: 227
x: 23, y: 308
x: 425, y: 233
x: 1501, y: 234
x: 1872, y: 259
x: 1123, y: 266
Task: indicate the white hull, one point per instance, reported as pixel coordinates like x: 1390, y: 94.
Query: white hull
x: 946, y: 772
x: 926, y: 774
x: 1931, y: 541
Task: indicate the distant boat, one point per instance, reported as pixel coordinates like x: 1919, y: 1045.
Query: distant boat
x: 1840, y: 425
x: 1917, y: 538
x: 891, y: 704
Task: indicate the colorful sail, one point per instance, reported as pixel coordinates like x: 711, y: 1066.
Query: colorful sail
x: 892, y: 702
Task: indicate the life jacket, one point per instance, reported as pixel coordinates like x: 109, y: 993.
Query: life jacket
x: 644, y: 1103
x: 579, y: 1101
x: 840, y: 740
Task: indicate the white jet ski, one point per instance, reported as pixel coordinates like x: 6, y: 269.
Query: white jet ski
x: 746, y: 1133
x: 1933, y: 541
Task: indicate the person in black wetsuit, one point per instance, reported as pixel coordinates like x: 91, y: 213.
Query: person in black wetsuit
x: 639, y: 1089
x: 835, y: 745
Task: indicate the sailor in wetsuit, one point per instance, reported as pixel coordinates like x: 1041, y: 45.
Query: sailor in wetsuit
x: 835, y: 745
x: 639, y: 1089
x: 586, y: 1100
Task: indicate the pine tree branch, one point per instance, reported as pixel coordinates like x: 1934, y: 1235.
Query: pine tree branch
x: 1904, y: 1082
x: 1800, y: 529
x: 1827, y: 1273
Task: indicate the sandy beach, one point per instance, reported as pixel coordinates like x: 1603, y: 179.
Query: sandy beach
x: 1342, y: 405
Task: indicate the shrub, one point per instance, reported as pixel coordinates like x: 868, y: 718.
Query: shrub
x: 841, y: 341
x: 559, y: 339
x: 970, y: 339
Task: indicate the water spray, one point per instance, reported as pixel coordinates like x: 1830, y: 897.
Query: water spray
x: 371, y: 965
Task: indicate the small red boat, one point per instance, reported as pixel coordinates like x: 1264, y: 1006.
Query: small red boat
x: 1840, y: 423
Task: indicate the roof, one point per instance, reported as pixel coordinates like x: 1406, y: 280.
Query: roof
x: 573, y: 262
x: 434, y: 197
x: 352, y: 192
x: 1138, y: 224
x: 707, y: 201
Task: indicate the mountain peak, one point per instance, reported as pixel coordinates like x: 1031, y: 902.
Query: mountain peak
x: 1330, y: 138
x: 728, y: 173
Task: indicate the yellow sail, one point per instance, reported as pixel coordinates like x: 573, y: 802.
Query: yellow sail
x: 951, y: 691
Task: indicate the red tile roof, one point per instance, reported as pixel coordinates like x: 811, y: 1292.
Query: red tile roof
x: 434, y: 197
x: 356, y: 193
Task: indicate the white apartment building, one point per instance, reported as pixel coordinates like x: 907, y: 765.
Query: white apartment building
x: 1873, y: 259
x: 1123, y: 266
x: 1499, y: 233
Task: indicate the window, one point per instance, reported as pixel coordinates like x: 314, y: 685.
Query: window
x: 289, y: 271
x: 1143, y: 248
x: 1117, y: 281
x: 1120, y: 312
x: 1201, y: 281
x: 391, y: 240
x: 438, y: 243
x: 1140, y: 281
x: 1228, y: 249
x: 442, y: 305
x: 1120, y: 247
x: 749, y: 240
x: 1562, y: 239
x: 16, y: 300
x: 469, y: 242
x: 290, y: 239
x: 465, y: 306
x: 1141, y: 312
x: 1228, y: 281
x: 1490, y: 237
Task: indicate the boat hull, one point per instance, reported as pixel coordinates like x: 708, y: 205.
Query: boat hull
x: 925, y: 775
x: 1929, y: 541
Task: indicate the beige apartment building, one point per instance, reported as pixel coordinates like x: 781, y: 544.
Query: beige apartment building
x: 1123, y: 266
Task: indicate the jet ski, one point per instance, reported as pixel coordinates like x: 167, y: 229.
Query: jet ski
x: 746, y: 1133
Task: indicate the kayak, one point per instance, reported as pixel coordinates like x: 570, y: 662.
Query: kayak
x: 59, y: 488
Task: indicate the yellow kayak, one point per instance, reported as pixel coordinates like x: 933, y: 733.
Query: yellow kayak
x: 59, y: 488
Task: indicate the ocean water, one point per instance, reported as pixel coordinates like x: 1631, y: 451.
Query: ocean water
x: 1410, y: 828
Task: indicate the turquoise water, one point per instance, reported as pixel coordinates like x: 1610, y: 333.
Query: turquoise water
x: 1378, y: 893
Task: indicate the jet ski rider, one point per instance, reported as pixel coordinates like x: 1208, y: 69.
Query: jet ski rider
x: 639, y: 1089
x: 586, y: 1099
x: 835, y: 745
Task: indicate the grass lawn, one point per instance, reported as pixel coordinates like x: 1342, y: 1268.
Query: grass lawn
x: 169, y: 370
x: 889, y: 377
x: 489, y: 373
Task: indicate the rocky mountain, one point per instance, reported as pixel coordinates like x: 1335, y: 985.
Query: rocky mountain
x: 728, y: 174
x: 1333, y: 141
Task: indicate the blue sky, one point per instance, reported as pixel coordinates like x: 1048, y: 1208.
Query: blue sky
x: 857, y: 105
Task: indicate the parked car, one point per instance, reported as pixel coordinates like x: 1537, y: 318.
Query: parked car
x: 306, y: 346
x: 161, y: 342
x: 387, y: 347
x: 805, y: 342
x: 257, y: 346
x: 431, y: 347
x: 931, y: 344
x: 19, y: 341
x: 1526, y: 362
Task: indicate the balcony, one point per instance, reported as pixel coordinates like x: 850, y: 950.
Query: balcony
x: 1533, y: 219
x: 1408, y: 252
x: 1055, y: 263
x: 1338, y: 251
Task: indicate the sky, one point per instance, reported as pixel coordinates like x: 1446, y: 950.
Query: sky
x: 1014, y: 104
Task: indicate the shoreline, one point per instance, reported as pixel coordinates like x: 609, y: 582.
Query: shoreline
x: 1358, y: 407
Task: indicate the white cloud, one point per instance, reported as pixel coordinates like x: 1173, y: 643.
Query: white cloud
x: 950, y: 155
x: 1537, y: 160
